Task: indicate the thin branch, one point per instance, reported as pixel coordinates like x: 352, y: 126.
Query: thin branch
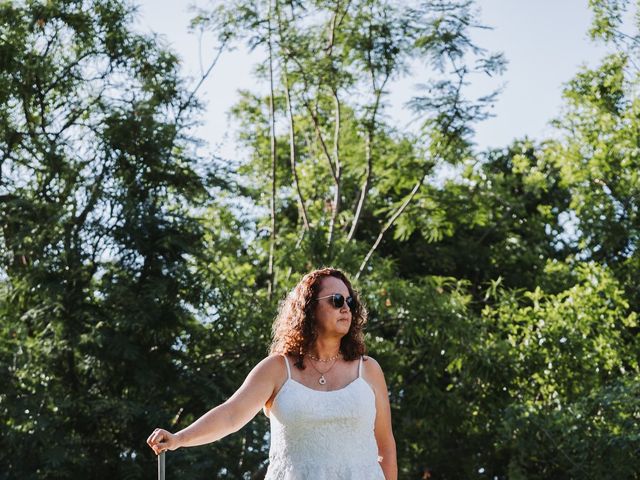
x: 344, y: 13
x: 390, y: 222
x: 416, y: 187
x: 80, y: 220
x: 371, y: 127
x: 75, y: 115
x: 325, y: 149
x: 200, y: 36
x: 368, y: 156
x: 332, y: 29
x: 213, y: 63
x: 365, y: 187
x: 314, y: 116
x: 333, y: 160
x: 335, y: 206
x: 336, y: 158
x: 292, y: 143
x: 272, y: 135
x: 292, y: 151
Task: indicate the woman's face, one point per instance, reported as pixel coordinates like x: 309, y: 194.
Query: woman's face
x: 332, y: 321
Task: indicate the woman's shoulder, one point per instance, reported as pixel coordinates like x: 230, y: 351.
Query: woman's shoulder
x: 370, y: 362
x: 371, y: 369
x: 273, y: 364
x: 275, y: 359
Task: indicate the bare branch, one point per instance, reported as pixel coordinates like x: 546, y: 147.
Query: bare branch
x: 335, y: 207
x: 390, y: 222
x: 313, y: 114
x: 325, y: 149
x: 203, y: 77
x: 371, y: 128
x: 272, y: 135
x: 416, y: 187
x: 292, y: 143
x: 368, y: 157
x: 292, y: 151
x: 365, y: 187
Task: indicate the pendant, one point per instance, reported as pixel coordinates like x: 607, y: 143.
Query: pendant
x: 322, y: 380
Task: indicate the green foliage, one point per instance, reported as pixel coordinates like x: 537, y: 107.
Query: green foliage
x: 502, y: 217
x: 97, y: 232
x: 568, y: 370
x: 608, y: 17
x: 600, y: 163
x: 540, y: 385
x: 134, y: 282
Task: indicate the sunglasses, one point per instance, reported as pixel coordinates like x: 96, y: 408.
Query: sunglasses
x: 337, y: 300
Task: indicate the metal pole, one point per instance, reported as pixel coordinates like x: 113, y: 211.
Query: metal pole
x: 161, y: 468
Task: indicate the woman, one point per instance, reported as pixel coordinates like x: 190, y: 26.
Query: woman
x: 329, y: 421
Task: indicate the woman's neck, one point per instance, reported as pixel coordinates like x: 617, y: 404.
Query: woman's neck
x: 325, y: 348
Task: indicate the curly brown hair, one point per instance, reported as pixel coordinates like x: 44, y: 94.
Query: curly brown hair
x: 294, y: 328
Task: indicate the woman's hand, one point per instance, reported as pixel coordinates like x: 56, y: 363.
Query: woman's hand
x: 161, y: 440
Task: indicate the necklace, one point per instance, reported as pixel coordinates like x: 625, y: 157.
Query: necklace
x: 323, y: 380
x: 324, y: 360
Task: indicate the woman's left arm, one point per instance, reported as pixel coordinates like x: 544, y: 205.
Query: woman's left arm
x: 383, y: 431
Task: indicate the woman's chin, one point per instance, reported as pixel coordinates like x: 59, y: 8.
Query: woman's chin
x: 343, y: 325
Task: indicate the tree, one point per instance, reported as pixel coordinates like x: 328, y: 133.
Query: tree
x: 344, y: 163
x: 139, y: 281
x: 599, y: 161
x: 564, y: 393
x: 501, y: 217
x: 346, y: 177
x: 97, y: 191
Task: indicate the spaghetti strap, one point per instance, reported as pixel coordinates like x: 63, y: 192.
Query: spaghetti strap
x: 286, y: 362
x: 360, y: 367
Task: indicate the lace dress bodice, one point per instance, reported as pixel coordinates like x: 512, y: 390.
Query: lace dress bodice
x: 319, y: 435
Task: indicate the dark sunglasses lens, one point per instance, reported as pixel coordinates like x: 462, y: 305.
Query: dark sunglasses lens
x: 338, y: 300
x: 351, y: 303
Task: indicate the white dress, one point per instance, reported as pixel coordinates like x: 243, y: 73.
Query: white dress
x: 318, y: 435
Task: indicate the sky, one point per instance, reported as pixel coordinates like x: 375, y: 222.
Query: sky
x: 544, y: 41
